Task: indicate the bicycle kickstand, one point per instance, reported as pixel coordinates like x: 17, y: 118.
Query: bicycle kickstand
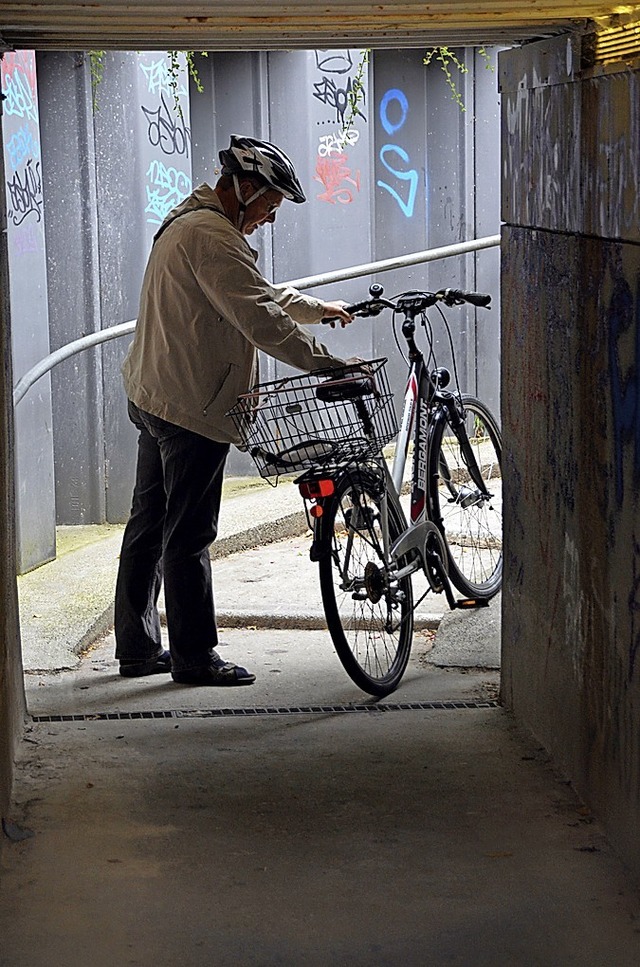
x: 453, y: 602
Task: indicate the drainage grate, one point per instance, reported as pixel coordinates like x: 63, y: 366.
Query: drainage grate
x: 211, y: 713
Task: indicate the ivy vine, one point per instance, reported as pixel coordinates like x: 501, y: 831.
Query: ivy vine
x: 174, y: 70
x: 96, y: 68
x: 446, y: 57
x: 356, y: 95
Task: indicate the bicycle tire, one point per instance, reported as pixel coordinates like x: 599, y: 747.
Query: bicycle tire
x: 470, y: 523
x: 369, y: 618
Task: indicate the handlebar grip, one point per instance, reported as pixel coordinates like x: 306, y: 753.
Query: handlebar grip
x: 480, y: 299
x: 352, y: 310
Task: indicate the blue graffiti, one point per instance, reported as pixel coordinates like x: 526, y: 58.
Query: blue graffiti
x: 393, y: 100
x: 166, y: 187
x: 22, y: 144
x: 400, y: 98
x: 625, y: 396
x: 411, y: 176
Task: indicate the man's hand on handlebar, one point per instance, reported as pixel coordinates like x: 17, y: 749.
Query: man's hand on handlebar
x: 336, y: 312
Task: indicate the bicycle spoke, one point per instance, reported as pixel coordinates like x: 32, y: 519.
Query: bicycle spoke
x: 470, y: 515
x: 370, y: 616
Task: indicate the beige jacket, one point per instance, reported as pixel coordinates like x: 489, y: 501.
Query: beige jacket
x: 205, y: 310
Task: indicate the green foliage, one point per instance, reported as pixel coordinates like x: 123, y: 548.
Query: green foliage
x: 488, y: 64
x: 193, y: 70
x: 445, y: 56
x: 174, y: 70
x: 447, y: 59
x: 96, y: 67
x: 355, y: 96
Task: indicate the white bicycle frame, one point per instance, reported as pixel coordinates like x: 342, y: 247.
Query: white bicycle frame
x: 419, y: 527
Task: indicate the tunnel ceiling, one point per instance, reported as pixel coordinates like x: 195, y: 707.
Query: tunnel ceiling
x: 245, y: 24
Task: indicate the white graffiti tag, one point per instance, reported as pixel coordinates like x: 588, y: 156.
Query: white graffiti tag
x: 334, y: 143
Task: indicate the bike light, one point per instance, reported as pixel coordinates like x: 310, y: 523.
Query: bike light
x: 314, y: 489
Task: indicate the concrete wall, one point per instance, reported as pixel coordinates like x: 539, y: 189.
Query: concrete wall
x: 12, y: 703
x: 571, y: 419
x: 71, y: 225
x: 35, y: 507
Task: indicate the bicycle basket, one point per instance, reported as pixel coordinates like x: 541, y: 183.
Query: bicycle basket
x: 330, y: 416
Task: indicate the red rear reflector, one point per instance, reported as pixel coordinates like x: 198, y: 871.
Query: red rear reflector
x: 316, y: 510
x: 313, y: 489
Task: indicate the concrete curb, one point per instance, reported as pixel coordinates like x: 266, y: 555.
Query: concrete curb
x: 299, y: 622
x: 52, y: 644
x: 68, y: 605
x: 293, y: 525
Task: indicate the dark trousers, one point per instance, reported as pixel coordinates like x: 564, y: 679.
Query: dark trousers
x: 174, y: 520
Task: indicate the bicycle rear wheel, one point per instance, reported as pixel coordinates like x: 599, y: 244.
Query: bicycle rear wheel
x: 469, y: 520
x: 369, y: 614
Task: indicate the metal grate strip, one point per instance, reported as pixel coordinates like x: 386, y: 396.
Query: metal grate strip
x: 266, y: 710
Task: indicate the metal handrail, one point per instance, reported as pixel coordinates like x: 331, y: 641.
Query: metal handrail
x: 339, y: 275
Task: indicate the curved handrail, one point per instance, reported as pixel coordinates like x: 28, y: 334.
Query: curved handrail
x: 44, y: 366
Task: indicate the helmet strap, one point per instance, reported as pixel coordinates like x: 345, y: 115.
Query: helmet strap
x: 244, y: 202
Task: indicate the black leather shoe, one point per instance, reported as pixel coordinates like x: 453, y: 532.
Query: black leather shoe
x: 138, y: 669
x: 218, y: 673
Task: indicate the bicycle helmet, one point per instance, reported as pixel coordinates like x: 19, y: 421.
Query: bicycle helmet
x: 249, y: 156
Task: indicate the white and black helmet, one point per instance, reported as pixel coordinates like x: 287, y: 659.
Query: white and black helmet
x: 252, y: 157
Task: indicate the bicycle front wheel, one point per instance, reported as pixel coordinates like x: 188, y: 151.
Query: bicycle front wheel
x: 369, y: 612
x: 469, y: 515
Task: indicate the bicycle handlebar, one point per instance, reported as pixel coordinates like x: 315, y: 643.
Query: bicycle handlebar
x: 411, y: 302
x: 457, y: 297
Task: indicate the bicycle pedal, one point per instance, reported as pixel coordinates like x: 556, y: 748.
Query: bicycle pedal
x: 472, y: 603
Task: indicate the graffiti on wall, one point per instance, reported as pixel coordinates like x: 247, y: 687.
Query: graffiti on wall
x: 168, y: 175
x: 166, y: 129
x: 22, y: 152
x: 334, y: 87
x: 624, y: 318
x: 403, y: 183
x: 166, y: 187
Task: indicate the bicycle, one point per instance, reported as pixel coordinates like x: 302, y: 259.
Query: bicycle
x: 333, y: 426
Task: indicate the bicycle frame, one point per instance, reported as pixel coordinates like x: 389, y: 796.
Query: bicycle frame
x: 422, y: 399
x: 421, y: 545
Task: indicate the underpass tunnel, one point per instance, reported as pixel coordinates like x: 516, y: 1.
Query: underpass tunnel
x: 570, y: 312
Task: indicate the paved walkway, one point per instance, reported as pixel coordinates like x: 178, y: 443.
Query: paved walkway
x: 298, y: 821
x: 68, y: 604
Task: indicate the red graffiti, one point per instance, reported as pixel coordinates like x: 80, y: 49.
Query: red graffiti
x: 23, y: 60
x: 334, y: 175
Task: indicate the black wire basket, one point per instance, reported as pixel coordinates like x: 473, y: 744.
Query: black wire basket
x: 327, y: 417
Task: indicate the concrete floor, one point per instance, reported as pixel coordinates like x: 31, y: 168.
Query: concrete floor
x: 425, y: 836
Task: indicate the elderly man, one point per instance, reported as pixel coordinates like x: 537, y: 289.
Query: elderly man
x: 205, y: 311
